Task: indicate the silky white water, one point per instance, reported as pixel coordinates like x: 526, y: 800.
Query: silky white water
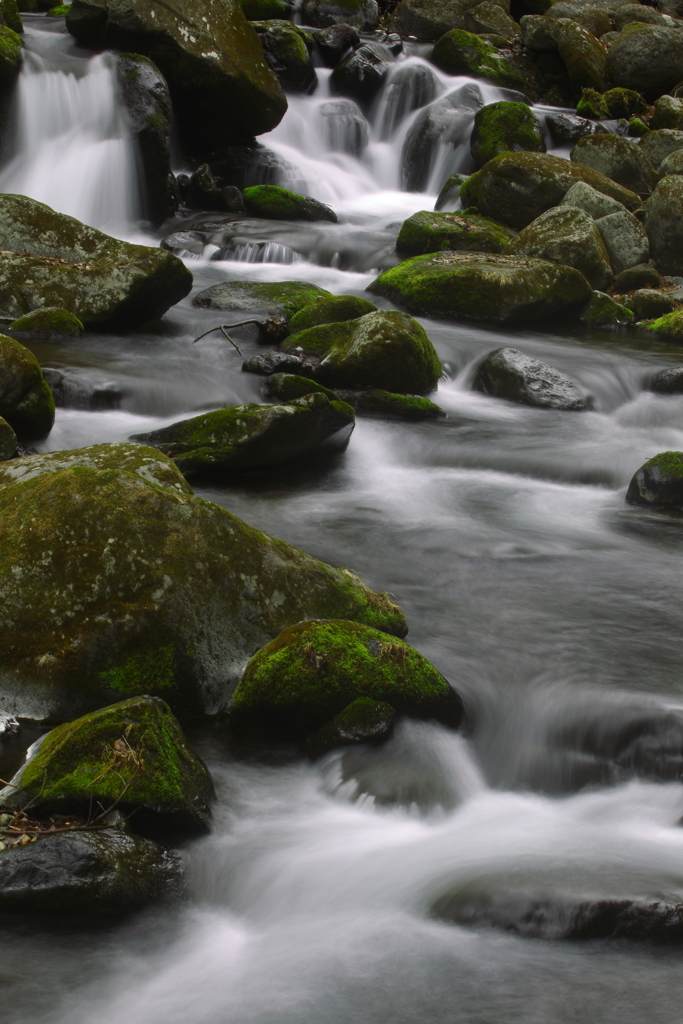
x: 550, y: 605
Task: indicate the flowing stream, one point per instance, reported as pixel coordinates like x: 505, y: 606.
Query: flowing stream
x: 553, y: 608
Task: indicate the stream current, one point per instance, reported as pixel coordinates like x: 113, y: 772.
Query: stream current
x: 553, y: 608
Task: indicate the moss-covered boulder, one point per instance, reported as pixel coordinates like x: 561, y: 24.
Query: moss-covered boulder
x: 604, y: 311
x: 277, y: 203
x: 133, y: 755
x: 364, y: 721
x: 288, y: 386
x: 365, y: 402
x: 48, y: 259
x: 288, y: 51
x: 650, y: 304
x: 332, y: 310
x: 516, y: 188
x: 592, y: 105
x: 88, y: 874
x: 513, y: 375
x: 260, y: 298
x: 147, y: 100
x: 487, y: 288
x: 617, y: 158
x: 312, y: 671
x: 11, y: 15
x: 430, y: 19
x: 568, y: 236
x: 669, y: 326
x: 462, y: 53
x: 246, y: 437
x: 583, y: 197
x: 489, y: 19
x: 387, y: 350
x: 672, y: 164
x: 624, y: 103
x: 116, y: 581
x: 26, y: 401
x: 48, y: 322
x: 583, y: 55
x: 663, y: 223
x: 668, y: 113
x: 658, y: 483
x: 363, y: 14
x: 8, y: 441
x: 642, y: 275
x: 427, y: 232
x: 222, y: 89
x: 505, y: 127
x: 647, y: 59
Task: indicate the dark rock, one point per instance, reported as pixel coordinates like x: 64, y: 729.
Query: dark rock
x: 72, y: 393
x: 276, y: 362
x: 489, y: 18
x: 277, y: 203
x: 150, y: 116
x: 569, y: 128
x: 260, y: 298
x: 312, y: 671
x: 362, y: 14
x: 88, y: 873
x: 288, y: 386
x: 643, y: 275
x: 510, y: 374
x: 450, y: 193
x: 288, y: 52
x: 184, y: 243
x: 659, y: 482
x: 618, y: 159
x: 603, y: 311
x: 446, y: 122
x: 567, y: 236
x: 204, y: 193
x: 346, y: 130
x: 647, y: 59
x: 26, y: 401
x: 584, y: 56
x: 410, y: 88
x: 648, y: 304
x: 361, y: 75
x: 363, y: 721
x: 431, y: 19
x: 260, y: 10
x: 667, y: 382
x: 335, y: 42
x: 8, y: 445
x: 393, y: 43
x: 47, y: 322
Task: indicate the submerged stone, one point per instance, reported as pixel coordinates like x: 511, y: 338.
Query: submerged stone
x: 313, y: 670
x: 659, y: 482
x: 511, y: 374
x: 428, y: 232
x: 26, y: 401
x: 363, y: 721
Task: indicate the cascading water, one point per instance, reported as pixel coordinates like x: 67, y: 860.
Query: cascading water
x: 395, y: 883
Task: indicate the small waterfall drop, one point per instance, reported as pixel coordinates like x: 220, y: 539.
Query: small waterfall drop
x: 71, y: 147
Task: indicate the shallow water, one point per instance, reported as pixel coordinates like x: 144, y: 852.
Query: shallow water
x: 553, y: 608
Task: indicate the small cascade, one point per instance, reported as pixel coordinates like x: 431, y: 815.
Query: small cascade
x: 71, y: 147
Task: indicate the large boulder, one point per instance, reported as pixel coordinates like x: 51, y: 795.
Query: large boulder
x: 260, y: 298
x: 497, y: 289
x: 505, y: 127
x: 625, y: 239
x: 647, y: 58
x: 312, y: 671
x: 277, y: 203
x: 223, y: 91
x: 116, y: 581
x: 568, y: 236
x: 217, y: 444
x: 672, y: 164
x: 49, y: 259
x: 363, y: 14
x: 619, y: 159
x: 462, y: 53
x: 664, y: 224
x: 361, y: 75
x: 87, y: 873
x: 447, y: 122
x: 584, y: 56
x: 426, y: 232
x: 132, y: 754
x: 288, y: 51
x: 330, y: 310
x: 150, y: 117
x: 511, y: 374
x: 387, y: 350
x: 649, y: 304
x: 26, y: 402
x: 431, y: 19
x: 659, y: 482
x: 657, y: 145
x: 516, y: 188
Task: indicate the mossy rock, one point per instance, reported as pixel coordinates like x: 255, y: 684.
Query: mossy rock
x: 363, y: 721
x: 376, y: 402
x: 26, y: 401
x: 277, y: 203
x: 289, y: 386
x: 260, y: 298
x: 332, y: 310
x: 650, y: 304
x: 288, y: 51
x: 505, y: 127
x: 313, y: 670
x: 513, y: 375
x: 247, y: 437
x: 486, y: 288
x: 48, y: 322
x: 568, y: 236
x: 668, y: 113
x: 48, y: 259
x: 618, y: 159
x: 592, y: 105
x: 115, y: 581
x: 462, y: 53
x: 658, y: 145
x: 450, y: 192
x: 658, y: 483
x: 603, y: 311
x: 516, y: 188
x: 429, y: 19
x: 387, y: 350
x: 8, y: 441
x: 643, y: 275
x: 11, y: 56
x: 60, y: 11
x: 428, y: 232
x: 663, y: 223
x: 624, y: 103
x: 669, y: 326
x: 262, y: 10
x: 647, y: 59
x: 133, y: 754
x: 11, y: 15
x: 583, y: 55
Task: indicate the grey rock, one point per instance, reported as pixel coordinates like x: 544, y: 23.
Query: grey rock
x: 619, y: 159
x: 9, y: 726
x: 510, y: 374
x: 446, y: 122
x: 568, y: 236
x: 629, y: 13
x: 346, y: 130
x: 409, y: 89
x: 625, y: 240
x: 664, y: 224
x: 586, y: 198
x: 658, y: 145
x: 71, y: 392
x: 591, y: 18
x: 667, y: 382
x: 672, y: 164
x: 647, y: 58
x: 489, y: 17
x: 275, y: 362
x: 648, y: 304
x: 569, y: 128
x: 430, y: 19
x: 642, y: 275
x: 538, y: 32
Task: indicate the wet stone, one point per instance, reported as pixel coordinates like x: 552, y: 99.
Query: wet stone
x: 510, y: 374
x: 667, y: 382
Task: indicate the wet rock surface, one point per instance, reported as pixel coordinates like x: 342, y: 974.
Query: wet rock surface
x: 510, y: 374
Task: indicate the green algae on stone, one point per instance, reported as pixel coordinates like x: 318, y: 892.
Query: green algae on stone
x: 288, y: 51
x: 8, y: 441
x: 669, y: 326
x: 262, y: 10
x: 427, y: 232
x: 603, y: 311
x: 503, y: 127
x: 264, y: 298
x: 462, y: 53
x: 11, y: 56
x: 376, y: 402
x: 60, y: 11
x: 132, y: 753
x: 592, y: 105
x: 288, y: 386
x: 658, y: 483
x: 26, y: 401
x: 363, y: 721
x: 330, y: 310
x: 386, y: 349
x: 313, y: 670
x: 568, y: 236
x: 48, y: 322
x: 107, y: 559
x: 11, y: 15
x: 486, y: 288
x: 253, y: 436
x: 277, y: 203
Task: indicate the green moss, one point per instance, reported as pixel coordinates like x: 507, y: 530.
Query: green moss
x: 603, y: 311
x: 624, y: 103
x: 427, y: 232
x: 462, y: 53
x: 670, y: 325
x: 313, y: 670
x: 592, y: 105
x: 277, y: 203
x: 668, y: 463
x: 288, y: 386
x: 376, y: 402
x: 280, y: 298
x: 48, y: 321
x: 637, y: 128
x: 154, y: 671
x: 10, y: 54
x: 10, y: 12
x: 504, y: 127
x: 330, y: 310
x: 26, y: 400
x: 59, y: 12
